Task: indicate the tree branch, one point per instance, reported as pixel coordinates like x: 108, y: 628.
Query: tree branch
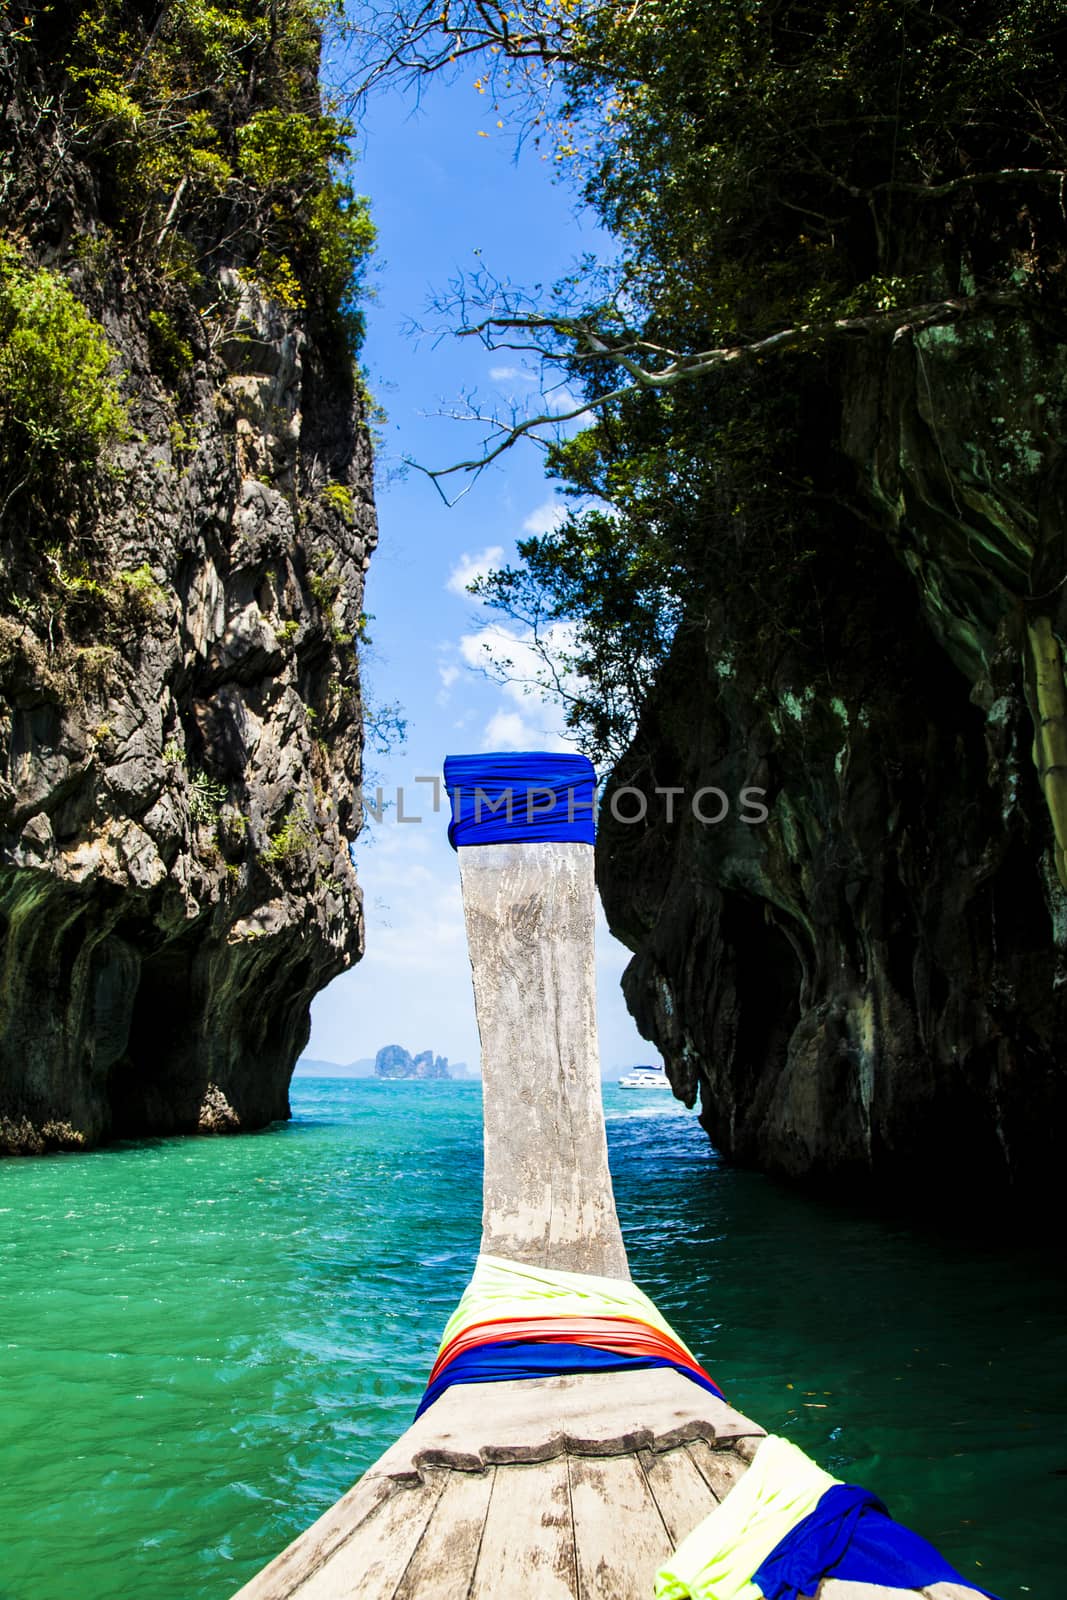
x: 969, y: 180
x: 673, y: 367
x: 442, y: 32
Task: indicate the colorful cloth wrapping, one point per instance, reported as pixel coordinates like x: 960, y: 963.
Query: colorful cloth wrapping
x: 850, y: 1535
x: 502, y: 1290
x: 553, y: 1322
x: 626, y: 1335
x: 787, y: 1525
x: 527, y: 796
x: 716, y: 1561
x: 491, y: 1363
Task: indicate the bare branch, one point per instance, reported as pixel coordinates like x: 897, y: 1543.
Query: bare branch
x: 668, y: 367
x: 395, y: 43
x: 970, y: 180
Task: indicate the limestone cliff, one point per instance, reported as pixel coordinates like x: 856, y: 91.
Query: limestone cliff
x: 180, y: 708
x: 872, y: 985
x: 393, y: 1061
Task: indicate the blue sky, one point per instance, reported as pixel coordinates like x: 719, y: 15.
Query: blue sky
x: 447, y: 195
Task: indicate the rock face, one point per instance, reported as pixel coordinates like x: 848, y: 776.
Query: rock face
x: 871, y: 985
x: 393, y: 1061
x: 180, y: 716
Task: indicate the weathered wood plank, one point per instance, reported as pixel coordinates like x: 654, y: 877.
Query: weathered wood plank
x: 547, y: 1191
x: 619, y: 1536
x: 474, y: 1426
x: 681, y: 1491
x: 841, y: 1589
x: 447, y: 1554
x: 952, y: 1591
x: 720, y: 1469
x: 528, y: 1542
x: 599, y: 1413
x: 319, y: 1542
x: 371, y: 1565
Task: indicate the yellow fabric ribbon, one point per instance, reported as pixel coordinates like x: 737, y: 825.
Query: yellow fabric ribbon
x: 510, y: 1290
x: 716, y: 1561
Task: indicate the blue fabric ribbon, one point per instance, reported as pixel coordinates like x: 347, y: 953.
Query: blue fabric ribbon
x: 493, y: 1363
x: 850, y: 1535
x: 528, y: 796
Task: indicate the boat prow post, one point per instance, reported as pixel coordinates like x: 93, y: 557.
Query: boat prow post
x: 568, y: 1441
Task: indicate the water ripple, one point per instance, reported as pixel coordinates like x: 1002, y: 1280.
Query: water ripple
x: 205, y: 1341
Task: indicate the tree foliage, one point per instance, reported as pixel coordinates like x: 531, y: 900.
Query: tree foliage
x: 782, y: 180
x: 151, y: 154
x: 205, y: 124
x: 59, y: 400
x: 811, y: 160
x: 57, y: 384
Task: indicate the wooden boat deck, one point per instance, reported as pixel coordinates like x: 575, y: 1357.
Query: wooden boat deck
x: 581, y: 1488
x: 549, y: 1529
x: 580, y: 1491
x: 562, y: 1488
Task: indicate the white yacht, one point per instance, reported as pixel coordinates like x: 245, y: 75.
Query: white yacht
x: 645, y: 1078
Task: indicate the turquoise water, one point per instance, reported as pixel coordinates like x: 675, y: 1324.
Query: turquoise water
x: 203, y: 1342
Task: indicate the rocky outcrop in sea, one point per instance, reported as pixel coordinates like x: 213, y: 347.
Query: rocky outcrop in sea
x: 393, y: 1061
x: 871, y: 985
x: 180, y: 704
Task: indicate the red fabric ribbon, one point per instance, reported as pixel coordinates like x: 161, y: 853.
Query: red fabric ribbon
x: 626, y: 1335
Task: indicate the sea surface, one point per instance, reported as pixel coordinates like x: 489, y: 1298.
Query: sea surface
x: 204, y: 1341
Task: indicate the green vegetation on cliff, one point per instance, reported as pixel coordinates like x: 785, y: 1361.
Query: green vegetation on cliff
x: 201, y: 130
x: 177, y: 158
x: 786, y: 184
x: 59, y: 401
x: 181, y: 255
x: 816, y: 546
x: 201, y: 112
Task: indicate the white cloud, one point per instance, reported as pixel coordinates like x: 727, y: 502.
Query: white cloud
x: 448, y: 679
x: 506, y: 730
x: 426, y: 935
x: 470, y: 567
x: 540, y: 730
x: 488, y: 646
x: 545, y: 517
x: 526, y: 716
x: 513, y: 656
x: 511, y: 375
x: 560, y: 400
x: 410, y: 881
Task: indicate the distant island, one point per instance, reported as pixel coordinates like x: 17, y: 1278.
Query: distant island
x: 391, y: 1062
x: 367, y: 1067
